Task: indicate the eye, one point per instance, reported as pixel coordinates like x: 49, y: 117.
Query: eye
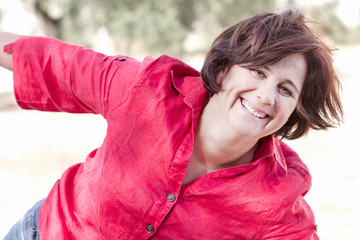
x: 285, y: 91
x: 258, y: 73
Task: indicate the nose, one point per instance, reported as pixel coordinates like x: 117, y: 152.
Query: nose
x: 266, y: 93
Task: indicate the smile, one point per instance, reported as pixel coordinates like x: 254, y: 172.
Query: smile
x: 251, y: 110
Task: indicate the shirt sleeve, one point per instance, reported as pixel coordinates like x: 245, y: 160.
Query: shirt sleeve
x: 51, y: 75
x: 298, y: 222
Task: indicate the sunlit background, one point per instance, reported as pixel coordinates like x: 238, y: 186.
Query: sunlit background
x: 36, y: 147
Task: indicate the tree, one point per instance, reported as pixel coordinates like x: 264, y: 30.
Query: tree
x: 147, y: 26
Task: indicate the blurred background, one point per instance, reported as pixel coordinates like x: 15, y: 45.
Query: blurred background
x: 36, y: 147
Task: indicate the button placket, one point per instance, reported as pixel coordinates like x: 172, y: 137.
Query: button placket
x: 171, y: 198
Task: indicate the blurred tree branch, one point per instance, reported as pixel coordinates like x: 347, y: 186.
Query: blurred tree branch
x: 162, y: 27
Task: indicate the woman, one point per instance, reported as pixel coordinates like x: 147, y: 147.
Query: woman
x: 185, y: 156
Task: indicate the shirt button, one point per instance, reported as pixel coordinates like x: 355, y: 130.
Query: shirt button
x: 150, y: 228
x: 122, y: 58
x: 171, y: 197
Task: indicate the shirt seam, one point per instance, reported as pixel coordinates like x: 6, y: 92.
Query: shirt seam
x: 204, y: 189
x: 69, y: 87
x: 109, y: 113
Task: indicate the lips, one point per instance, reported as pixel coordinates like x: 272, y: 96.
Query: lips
x: 252, y: 111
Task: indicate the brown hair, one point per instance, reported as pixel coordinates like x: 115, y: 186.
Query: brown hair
x: 264, y: 39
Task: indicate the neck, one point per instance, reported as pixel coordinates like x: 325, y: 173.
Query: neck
x: 216, y: 147
x: 217, y: 150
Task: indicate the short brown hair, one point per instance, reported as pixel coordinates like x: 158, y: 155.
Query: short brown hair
x: 264, y: 39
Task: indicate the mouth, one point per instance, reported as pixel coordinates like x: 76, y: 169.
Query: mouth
x: 252, y: 111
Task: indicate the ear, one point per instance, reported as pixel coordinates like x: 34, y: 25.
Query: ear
x: 220, y: 77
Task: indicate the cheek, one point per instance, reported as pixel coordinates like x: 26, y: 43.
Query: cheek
x: 287, y: 110
x: 291, y: 109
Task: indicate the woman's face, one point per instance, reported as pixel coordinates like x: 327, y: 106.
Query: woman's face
x: 258, y: 101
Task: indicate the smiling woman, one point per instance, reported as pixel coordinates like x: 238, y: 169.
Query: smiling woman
x: 255, y: 104
x: 186, y: 155
x: 263, y: 40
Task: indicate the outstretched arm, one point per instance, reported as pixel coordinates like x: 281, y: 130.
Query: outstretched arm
x: 5, y: 58
x: 51, y: 75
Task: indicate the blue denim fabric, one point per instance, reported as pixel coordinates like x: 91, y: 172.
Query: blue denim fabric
x: 27, y: 227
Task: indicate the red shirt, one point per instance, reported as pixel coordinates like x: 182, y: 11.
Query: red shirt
x: 131, y: 186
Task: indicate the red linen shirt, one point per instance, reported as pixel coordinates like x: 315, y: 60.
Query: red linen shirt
x: 131, y: 186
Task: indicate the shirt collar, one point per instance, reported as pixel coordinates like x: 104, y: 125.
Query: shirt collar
x: 185, y: 79
x: 187, y: 82
x: 270, y: 146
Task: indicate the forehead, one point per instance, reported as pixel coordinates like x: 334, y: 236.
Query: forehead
x: 295, y: 62
x: 292, y: 69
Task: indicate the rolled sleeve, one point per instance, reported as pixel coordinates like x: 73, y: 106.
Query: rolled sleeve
x: 50, y: 75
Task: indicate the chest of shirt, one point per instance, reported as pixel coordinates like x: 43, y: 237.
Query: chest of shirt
x: 142, y: 163
x: 207, y: 208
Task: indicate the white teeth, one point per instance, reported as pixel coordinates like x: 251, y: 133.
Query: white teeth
x: 252, y: 111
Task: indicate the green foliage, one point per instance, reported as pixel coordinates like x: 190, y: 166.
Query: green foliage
x: 228, y: 12
x: 161, y: 27
x: 150, y: 26
x: 328, y: 23
x: 213, y: 16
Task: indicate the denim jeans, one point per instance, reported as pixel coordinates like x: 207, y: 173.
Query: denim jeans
x: 27, y: 227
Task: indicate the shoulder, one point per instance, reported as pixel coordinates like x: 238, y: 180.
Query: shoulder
x: 286, y: 171
x: 165, y: 64
x: 170, y: 73
x: 294, y: 216
x: 287, y: 161
x: 294, y: 163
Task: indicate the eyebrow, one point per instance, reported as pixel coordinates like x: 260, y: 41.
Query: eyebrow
x: 292, y: 84
x: 286, y: 80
